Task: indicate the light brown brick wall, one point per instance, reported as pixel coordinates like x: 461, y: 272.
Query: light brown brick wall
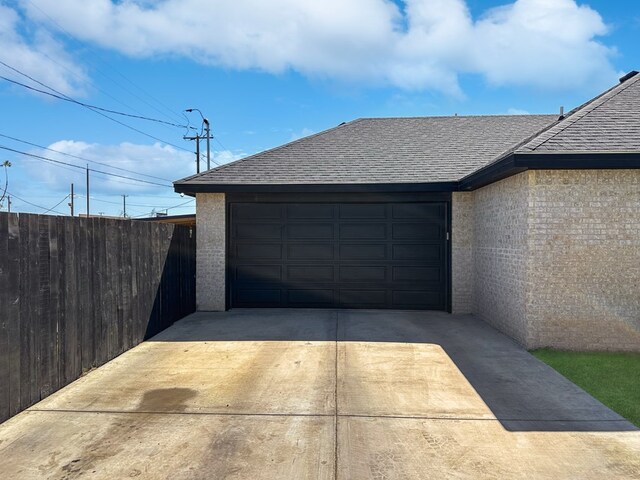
x: 500, y: 255
x: 556, y: 258
x: 584, y: 261
x: 210, y: 251
x: 462, y: 284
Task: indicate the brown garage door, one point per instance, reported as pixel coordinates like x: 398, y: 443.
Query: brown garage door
x: 350, y: 255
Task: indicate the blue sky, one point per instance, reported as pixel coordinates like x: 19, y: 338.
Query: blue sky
x: 265, y: 73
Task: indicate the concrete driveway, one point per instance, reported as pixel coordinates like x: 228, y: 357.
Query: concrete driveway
x: 305, y: 394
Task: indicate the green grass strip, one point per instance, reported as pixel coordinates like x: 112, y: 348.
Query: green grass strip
x: 612, y: 378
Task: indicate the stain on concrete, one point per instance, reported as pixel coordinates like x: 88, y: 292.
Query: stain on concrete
x: 166, y: 399
x: 120, y: 432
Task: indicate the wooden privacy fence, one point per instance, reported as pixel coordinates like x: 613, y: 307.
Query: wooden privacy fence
x: 77, y: 292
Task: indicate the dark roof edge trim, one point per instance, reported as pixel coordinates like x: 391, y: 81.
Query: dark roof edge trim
x: 316, y: 187
x: 508, y: 166
x: 515, y: 163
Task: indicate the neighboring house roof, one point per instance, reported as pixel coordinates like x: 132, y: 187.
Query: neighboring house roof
x: 460, y: 152
x: 187, y: 219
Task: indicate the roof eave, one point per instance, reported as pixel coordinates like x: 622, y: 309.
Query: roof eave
x: 193, y: 188
x: 511, y: 164
x: 517, y: 162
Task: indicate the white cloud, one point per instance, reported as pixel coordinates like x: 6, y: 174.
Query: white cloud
x: 305, y: 132
x: 549, y: 44
x: 154, y: 163
x: 551, y: 41
x: 37, y: 54
x: 517, y: 111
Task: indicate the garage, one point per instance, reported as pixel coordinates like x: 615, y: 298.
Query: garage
x: 365, y: 252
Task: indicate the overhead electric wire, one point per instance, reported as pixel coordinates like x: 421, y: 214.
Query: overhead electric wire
x: 131, y: 204
x: 168, y: 109
x: 56, y: 205
x: 96, y: 110
x: 168, y: 208
x: 82, y: 158
x: 220, y: 143
x: 66, y: 98
x: 180, y: 204
x: 61, y: 65
x: 40, y: 206
x: 99, y: 110
x: 51, y: 160
x: 62, y: 96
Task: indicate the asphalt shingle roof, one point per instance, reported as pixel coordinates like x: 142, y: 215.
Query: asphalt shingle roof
x: 383, y: 150
x: 608, y: 123
x: 436, y: 149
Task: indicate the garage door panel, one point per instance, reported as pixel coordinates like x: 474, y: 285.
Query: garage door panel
x: 363, y: 251
x: 305, y: 211
x: 417, y: 231
x: 423, y: 211
x: 363, y: 274
x: 362, y: 297
x: 310, y: 273
x: 259, y: 296
x: 423, y: 253
x: 256, y: 211
x: 251, y: 231
x: 362, y: 231
x: 258, y: 273
x: 313, y: 251
x: 416, y: 274
x: 363, y: 211
x: 316, y: 297
x: 427, y: 299
x: 314, y: 231
x: 258, y: 251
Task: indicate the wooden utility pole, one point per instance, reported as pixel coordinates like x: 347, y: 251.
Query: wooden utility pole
x: 124, y: 205
x: 197, y: 139
x: 87, y: 191
x: 71, y: 202
x: 9, y: 203
x: 207, y: 128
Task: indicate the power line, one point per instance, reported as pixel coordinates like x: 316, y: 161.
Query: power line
x: 97, y: 87
x: 62, y: 96
x: 220, y: 143
x: 51, y: 160
x: 77, y: 102
x: 131, y: 204
x: 82, y: 158
x: 56, y: 205
x: 94, y: 108
x: 169, y: 208
x: 40, y: 206
x: 53, y: 21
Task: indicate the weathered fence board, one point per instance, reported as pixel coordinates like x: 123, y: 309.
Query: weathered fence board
x: 77, y: 292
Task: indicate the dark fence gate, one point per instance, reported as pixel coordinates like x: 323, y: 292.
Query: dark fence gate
x: 77, y: 292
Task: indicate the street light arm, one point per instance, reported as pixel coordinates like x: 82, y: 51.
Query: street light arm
x: 197, y: 110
